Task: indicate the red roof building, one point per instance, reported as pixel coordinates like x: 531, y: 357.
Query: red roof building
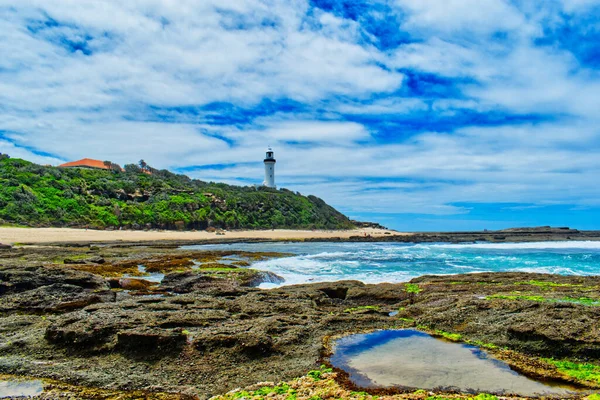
x: 85, y: 163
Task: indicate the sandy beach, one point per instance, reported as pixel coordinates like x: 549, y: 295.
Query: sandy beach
x: 11, y: 235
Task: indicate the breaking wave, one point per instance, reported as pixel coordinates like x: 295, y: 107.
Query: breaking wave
x: 522, y: 246
x: 400, y: 262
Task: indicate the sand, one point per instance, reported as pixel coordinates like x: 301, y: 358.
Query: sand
x: 10, y: 235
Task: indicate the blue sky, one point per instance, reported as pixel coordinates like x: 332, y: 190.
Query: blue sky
x: 419, y: 114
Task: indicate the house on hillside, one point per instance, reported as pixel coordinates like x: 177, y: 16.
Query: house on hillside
x: 91, y: 164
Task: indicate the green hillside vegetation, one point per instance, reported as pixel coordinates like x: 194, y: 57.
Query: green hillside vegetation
x: 35, y: 195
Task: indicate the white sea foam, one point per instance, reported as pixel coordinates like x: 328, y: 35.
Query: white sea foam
x: 526, y: 246
x: 327, y: 255
x: 399, y: 262
x: 458, y: 266
x: 549, y: 270
x: 303, y: 269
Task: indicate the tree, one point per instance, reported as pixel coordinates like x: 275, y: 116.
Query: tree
x: 132, y: 169
x: 118, y: 213
x: 143, y: 165
x: 4, y: 156
x: 112, y: 166
x: 43, y: 196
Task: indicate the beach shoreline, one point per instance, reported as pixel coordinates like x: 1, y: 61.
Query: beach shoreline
x: 83, y: 237
x: 13, y: 235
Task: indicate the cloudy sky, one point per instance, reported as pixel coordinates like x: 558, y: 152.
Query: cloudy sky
x: 419, y: 114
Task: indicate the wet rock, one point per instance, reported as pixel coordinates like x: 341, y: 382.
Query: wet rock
x: 555, y: 338
x: 114, y: 283
x: 194, y: 318
x: 72, y: 333
x: 5, y: 246
x: 96, y: 260
x: 135, y: 284
x: 537, y: 323
x: 264, y: 277
x: 149, y: 342
x: 15, y: 279
x: 58, y: 297
x: 215, y: 342
x: 186, y: 282
x: 214, y: 334
x: 256, y: 345
x: 382, y: 293
x: 72, y: 261
x: 337, y: 292
x: 247, y: 344
x: 169, y: 264
x: 328, y: 293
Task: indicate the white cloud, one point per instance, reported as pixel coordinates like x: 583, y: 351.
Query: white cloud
x: 310, y: 131
x: 478, y: 16
x: 384, y: 107
x: 578, y: 6
x: 9, y: 148
x: 173, y: 54
x: 121, y: 142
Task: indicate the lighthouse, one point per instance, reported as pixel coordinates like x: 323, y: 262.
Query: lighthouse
x: 269, y: 169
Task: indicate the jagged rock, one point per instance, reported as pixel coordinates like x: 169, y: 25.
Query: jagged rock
x: 73, y: 332
x: 58, y: 297
x: 15, y: 280
x: 384, y: 292
x: 71, y: 261
x: 214, y: 334
x: 135, y: 284
x: 148, y: 342
x: 186, y: 282
x: 250, y: 344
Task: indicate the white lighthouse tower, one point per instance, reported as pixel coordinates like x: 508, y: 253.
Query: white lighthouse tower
x: 269, y: 169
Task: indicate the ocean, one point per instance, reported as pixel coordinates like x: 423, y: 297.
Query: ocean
x: 400, y: 262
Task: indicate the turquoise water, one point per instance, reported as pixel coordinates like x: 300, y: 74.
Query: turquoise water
x: 20, y: 388
x: 400, y: 262
x: 412, y: 359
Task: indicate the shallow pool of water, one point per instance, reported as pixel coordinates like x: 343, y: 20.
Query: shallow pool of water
x: 150, y: 276
x: 412, y: 359
x: 19, y: 388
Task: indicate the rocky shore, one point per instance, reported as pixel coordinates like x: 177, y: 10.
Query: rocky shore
x: 514, y: 235
x: 150, y: 322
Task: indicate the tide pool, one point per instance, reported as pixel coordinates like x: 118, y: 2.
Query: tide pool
x: 412, y: 359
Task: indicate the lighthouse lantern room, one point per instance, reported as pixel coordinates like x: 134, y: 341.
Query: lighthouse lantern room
x: 269, y: 169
